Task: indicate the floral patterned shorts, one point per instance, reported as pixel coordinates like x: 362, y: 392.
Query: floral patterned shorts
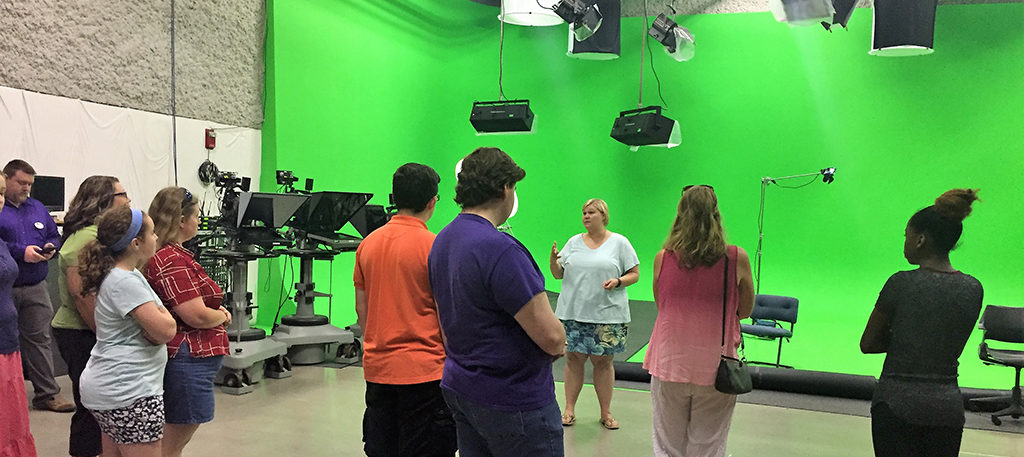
x: 139, y: 422
x: 595, y: 339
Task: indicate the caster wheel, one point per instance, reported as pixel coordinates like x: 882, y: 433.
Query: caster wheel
x: 1015, y: 416
x: 349, y: 350
x: 233, y: 380
x: 996, y: 421
x: 286, y: 363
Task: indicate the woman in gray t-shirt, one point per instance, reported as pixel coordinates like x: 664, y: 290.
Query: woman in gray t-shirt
x: 596, y: 266
x: 122, y: 384
x: 922, y: 321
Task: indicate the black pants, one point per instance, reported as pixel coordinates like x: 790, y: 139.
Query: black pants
x: 407, y: 421
x: 895, y: 437
x: 75, y: 346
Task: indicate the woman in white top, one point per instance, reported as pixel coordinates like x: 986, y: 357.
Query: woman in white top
x: 122, y: 384
x: 596, y: 266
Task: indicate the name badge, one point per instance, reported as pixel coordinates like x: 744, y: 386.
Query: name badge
x: 39, y: 225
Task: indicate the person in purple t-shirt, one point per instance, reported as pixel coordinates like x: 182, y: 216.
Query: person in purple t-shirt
x: 31, y: 235
x: 501, y: 334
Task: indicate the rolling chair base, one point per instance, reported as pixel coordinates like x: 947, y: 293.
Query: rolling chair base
x: 1015, y: 410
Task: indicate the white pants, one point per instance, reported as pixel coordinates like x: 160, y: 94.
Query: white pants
x: 690, y: 420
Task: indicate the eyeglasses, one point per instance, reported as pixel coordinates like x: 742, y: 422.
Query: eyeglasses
x: 188, y: 198
x: 121, y: 194
x: 697, y: 185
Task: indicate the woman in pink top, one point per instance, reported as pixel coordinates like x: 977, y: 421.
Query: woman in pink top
x: 691, y: 418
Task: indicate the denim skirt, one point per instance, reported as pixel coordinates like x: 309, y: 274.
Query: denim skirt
x: 188, y: 387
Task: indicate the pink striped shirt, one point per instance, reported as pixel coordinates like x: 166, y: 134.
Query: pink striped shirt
x: 686, y: 342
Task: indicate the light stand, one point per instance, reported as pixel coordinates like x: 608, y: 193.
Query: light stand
x: 828, y: 175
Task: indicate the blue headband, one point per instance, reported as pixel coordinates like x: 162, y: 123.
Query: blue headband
x: 133, y: 231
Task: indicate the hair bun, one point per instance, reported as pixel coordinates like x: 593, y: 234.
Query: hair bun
x: 956, y: 203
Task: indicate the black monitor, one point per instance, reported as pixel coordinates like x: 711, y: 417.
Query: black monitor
x: 326, y: 212
x: 370, y: 218
x: 49, y: 190
x: 261, y: 209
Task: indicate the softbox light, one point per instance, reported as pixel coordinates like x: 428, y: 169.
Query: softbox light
x: 604, y: 44
x: 646, y: 127
x: 801, y: 12
x: 903, y: 27
x: 528, y: 12
x: 844, y: 10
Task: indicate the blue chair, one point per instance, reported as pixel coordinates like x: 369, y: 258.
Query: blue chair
x: 1006, y: 325
x: 769, y: 311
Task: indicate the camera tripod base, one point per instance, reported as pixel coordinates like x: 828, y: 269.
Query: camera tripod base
x: 249, y: 361
x: 307, y: 344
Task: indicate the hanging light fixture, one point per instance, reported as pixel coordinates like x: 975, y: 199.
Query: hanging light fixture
x: 584, y: 19
x: 528, y: 12
x: 903, y: 27
x: 604, y: 44
x: 802, y: 12
x: 678, y: 41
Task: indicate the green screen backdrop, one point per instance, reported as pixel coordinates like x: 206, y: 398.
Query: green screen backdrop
x: 356, y: 89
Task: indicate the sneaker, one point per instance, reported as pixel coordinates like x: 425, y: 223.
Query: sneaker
x: 56, y: 404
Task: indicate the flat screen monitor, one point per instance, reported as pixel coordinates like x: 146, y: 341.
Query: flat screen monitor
x: 261, y: 209
x: 49, y: 190
x: 370, y: 218
x: 326, y: 212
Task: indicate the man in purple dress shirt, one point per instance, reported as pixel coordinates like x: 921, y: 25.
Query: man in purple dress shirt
x: 32, y: 238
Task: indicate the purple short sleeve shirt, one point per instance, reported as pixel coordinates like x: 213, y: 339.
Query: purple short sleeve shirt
x: 481, y: 278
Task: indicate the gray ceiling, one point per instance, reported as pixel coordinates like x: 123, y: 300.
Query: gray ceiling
x: 632, y: 8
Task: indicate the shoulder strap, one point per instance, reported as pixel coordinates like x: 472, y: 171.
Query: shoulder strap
x: 725, y: 292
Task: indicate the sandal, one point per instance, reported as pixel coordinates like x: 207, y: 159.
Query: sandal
x: 568, y: 419
x: 610, y: 424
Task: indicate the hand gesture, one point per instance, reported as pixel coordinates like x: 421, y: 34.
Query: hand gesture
x: 227, y: 314
x: 554, y: 251
x: 610, y: 284
x: 33, y: 254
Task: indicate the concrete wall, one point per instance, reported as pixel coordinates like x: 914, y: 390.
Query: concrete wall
x: 118, y: 52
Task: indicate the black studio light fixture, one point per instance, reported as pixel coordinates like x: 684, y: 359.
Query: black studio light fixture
x: 678, y: 40
x: 646, y: 127
x: 604, y: 44
x: 584, y: 17
x: 903, y: 28
x: 508, y: 116
x: 843, y: 12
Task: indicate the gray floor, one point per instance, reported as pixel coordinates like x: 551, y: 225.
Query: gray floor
x: 317, y: 412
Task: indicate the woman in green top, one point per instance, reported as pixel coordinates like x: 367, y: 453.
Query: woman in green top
x: 73, y: 324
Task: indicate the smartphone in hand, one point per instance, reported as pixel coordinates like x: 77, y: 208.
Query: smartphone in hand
x: 46, y: 250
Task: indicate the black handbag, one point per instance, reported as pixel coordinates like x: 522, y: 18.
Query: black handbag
x: 733, y: 375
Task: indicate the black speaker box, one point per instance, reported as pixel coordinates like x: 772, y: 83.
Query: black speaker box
x: 502, y: 116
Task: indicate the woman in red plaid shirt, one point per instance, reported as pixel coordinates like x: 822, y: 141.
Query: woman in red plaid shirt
x: 196, y: 352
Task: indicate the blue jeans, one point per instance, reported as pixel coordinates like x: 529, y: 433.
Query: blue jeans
x: 487, y: 432
x: 188, y: 387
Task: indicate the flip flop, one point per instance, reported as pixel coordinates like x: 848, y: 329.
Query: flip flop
x: 610, y: 424
x: 568, y: 419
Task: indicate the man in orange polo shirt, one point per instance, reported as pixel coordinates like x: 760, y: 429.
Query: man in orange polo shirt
x: 403, y: 353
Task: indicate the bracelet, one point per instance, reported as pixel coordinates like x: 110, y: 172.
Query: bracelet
x: 619, y: 284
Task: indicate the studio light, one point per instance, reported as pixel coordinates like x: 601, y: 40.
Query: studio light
x: 828, y: 175
x: 605, y: 44
x: 903, y: 27
x: 646, y: 127
x: 844, y: 10
x: 583, y: 19
x: 801, y: 12
x: 678, y: 40
x: 528, y: 12
x: 502, y: 116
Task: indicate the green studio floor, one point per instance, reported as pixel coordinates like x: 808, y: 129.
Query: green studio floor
x: 317, y: 412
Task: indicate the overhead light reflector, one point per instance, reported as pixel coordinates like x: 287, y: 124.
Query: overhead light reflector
x: 646, y: 127
x: 528, y: 12
x: 903, y: 28
x: 678, y: 41
x: 802, y: 12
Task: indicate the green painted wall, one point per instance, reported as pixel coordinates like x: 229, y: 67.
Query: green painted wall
x: 355, y: 89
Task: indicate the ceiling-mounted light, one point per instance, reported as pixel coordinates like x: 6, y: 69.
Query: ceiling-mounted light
x: 502, y: 116
x: 678, y: 40
x: 646, y: 127
x: 583, y: 19
x: 903, y: 28
x: 528, y: 12
x: 605, y: 44
x: 801, y: 12
x: 843, y: 12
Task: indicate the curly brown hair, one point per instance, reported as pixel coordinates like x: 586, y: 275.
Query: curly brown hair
x: 96, y: 259
x: 485, y: 174
x: 94, y: 195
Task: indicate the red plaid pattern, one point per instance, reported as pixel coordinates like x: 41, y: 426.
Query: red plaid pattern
x: 177, y: 278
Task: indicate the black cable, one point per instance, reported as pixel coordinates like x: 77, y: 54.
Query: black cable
x: 760, y: 239
x: 501, y: 51
x: 174, y: 111
x: 651, y: 54
x: 813, y: 178
x: 284, y: 299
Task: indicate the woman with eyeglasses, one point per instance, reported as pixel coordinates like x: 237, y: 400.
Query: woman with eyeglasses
x: 74, y: 325
x: 696, y: 274
x: 596, y: 266
x: 197, y: 350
